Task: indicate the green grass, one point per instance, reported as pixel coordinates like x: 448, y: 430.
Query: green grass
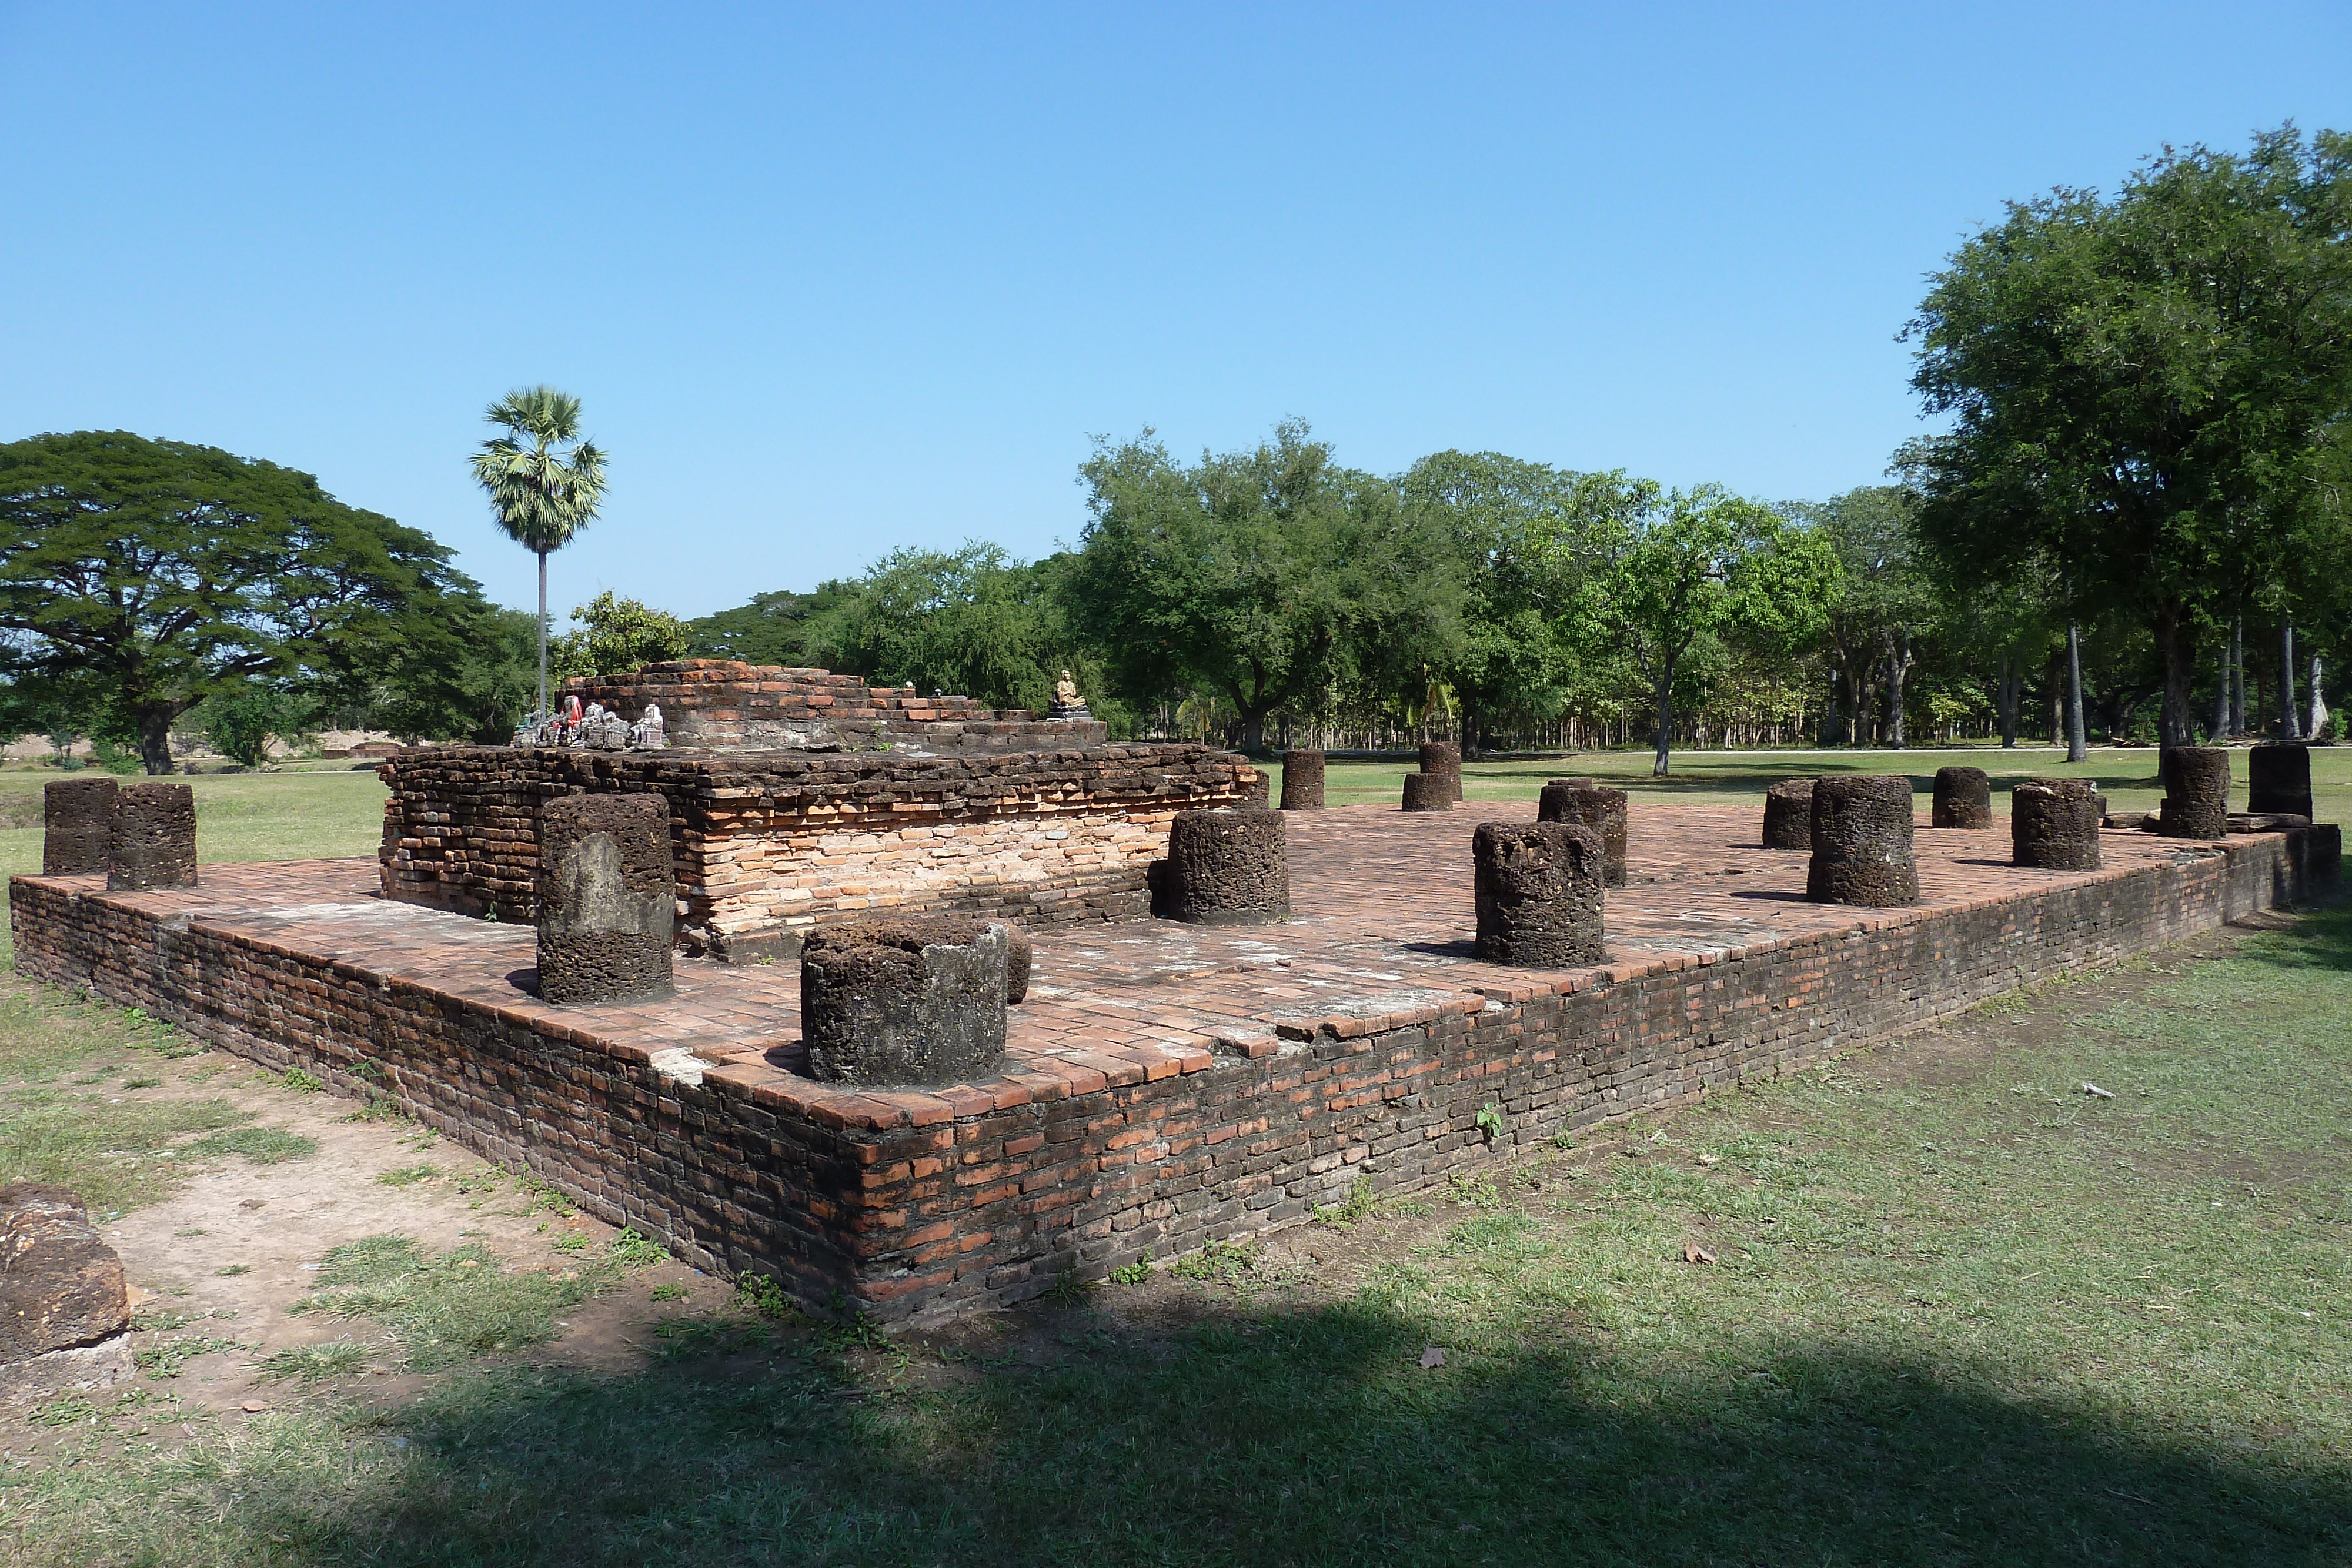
x: 444, y: 1308
x: 2127, y: 776
x: 262, y: 1146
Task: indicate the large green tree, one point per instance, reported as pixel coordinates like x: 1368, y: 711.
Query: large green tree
x: 2139, y: 385
x: 1702, y: 564
x: 1260, y: 575
x: 141, y: 575
x: 545, y: 481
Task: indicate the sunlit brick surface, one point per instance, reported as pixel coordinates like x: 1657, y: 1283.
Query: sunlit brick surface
x: 1165, y: 1086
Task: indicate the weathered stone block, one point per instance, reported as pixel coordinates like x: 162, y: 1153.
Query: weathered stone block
x: 1963, y: 798
x: 1302, y: 781
x: 1789, y: 815
x: 1228, y: 868
x: 154, y: 840
x: 1540, y: 898
x: 1020, y: 957
x: 1444, y: 758
x: 76, y: 826
x: 2278, y: 778
x: 61, y: 1286
x: 2197, y: 792
x: 1431, y: 792
x: 2054, y: 823
x: 911, y: 1001
x: 1255, y: 788
x: 607, y: 899
x: 1862, y: 841
x: 1594, y: 806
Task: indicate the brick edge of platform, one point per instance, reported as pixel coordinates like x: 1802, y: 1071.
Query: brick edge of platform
x: 922, y: 1207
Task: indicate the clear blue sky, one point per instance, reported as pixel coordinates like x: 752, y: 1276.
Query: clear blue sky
x: 835, y: 280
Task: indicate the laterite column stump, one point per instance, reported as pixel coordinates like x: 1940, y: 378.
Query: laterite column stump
x: 1789, y: 815
x: 607, y: 899
x: 153, y: 842
x: 1594, y: 806
x: 1963, y: 798
x: 2195, y: 792
x: 1302, y: 781
x: 1539, y: 893
x: 911, y: 1002
x: 1862, y: 842
x: 1430, y: 793
x: 2278, y: 778
x: 1445, y: 759
x: 1227, y: 868
x: 76, y: 826
x: 2053, y: 824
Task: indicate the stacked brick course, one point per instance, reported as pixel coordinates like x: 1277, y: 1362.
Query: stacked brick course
x: 725, y: 705
x: 768, y: 844
x: 1136, y: 1117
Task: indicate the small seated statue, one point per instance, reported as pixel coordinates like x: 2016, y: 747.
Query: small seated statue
x: 1067, y: 702
x: 647, y: 734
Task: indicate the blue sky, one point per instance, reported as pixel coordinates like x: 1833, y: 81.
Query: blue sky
x: 835, y: 280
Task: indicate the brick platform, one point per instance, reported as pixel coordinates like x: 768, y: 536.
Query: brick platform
x: 726, y: 705
x: 1166, y: 1086
x: 769, y: 843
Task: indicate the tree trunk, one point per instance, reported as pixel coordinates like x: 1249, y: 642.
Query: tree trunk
x: 1898, y: 665
x: 2077, y: 743
x: 1253, y: 732
x: 2221, y: 730
x: 155, y: 737
x: 2237, y: 676
x: 2006, y: 701
x: 1664, y: 685
x: 2319, y: 724
x: 1829, y: 731
x: 2173, y: 727
x: 2288, y: 728
x: 542, y: 634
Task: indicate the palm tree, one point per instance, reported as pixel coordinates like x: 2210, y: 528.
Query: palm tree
x: 541, y: 493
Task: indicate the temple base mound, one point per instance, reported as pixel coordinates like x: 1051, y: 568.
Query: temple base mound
x: 1165, y: 1086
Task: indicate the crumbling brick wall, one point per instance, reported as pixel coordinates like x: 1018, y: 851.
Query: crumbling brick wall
x: 768, y: 844
x: 725, y: 705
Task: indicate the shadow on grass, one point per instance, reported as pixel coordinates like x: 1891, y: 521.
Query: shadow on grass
x: 2322, y: 941
x: 1311, y: 1436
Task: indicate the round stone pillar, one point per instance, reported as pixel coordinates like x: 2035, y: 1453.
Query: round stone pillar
x: 1255, y: 788
x: 1594, y: 806
x: 1539, y: 898
x: 1862, y: 841
x: 1302, y: 781
x: 1963, y: 798
x: 1430, y: 793
x: 1443, y: 759
x: 154, y: 842
x: 607, y: 899
x: 1227, y: 868
x: 1789, y: 815
x: 2053, y: 824
x: 76, y: 826
x: 2195, y: 792
x: 914, y: 1000
x: 1020, y: 955
x: 2278, y: 778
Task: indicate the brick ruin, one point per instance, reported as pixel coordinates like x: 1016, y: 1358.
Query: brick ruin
x: 725, y: 705
x: 770, y: 845
x: 1164, y: 1086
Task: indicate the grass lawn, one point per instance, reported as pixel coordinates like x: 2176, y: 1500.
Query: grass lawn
x: 1959, y: 1310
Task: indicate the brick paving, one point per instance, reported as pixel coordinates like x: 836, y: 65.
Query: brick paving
x: 1380, y: 939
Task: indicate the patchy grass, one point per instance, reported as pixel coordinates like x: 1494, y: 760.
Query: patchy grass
x: 445, y: 1309
x: 409, y: 1176
x: 315, y: 1362
x: 262, y: 1146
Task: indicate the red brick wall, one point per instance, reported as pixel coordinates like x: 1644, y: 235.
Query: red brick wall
x: 768, y: 844
x: 726, y: 705
x: 927, y: 1205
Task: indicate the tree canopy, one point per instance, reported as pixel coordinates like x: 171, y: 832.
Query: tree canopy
x: 137, y: 576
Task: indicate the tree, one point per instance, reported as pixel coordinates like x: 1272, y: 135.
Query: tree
x: 545, y: 481
x: 1883, y: 597
x: 137, y: 576
x: 772, y: 629
x: 1700, y: 564
x: 2139, y: 385
x: 240, y: 719
x: 618, y: 635
x: 1249, y: 574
